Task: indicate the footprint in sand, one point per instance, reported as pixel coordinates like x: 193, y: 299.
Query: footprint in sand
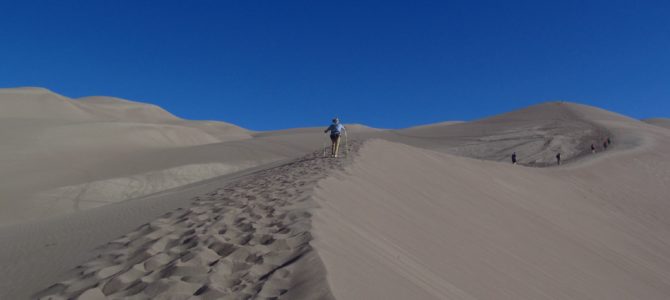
x: 237, y: 242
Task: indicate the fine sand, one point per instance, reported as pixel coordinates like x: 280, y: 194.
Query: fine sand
x: 535, y: 133
x: 407, y: 223
x: 249, y: 239
x: 104, y: 198
x: 60, y: 155
x: 663, y: 122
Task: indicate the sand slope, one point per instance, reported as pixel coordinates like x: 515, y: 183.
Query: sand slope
x: 408, y: 223
x: 663, y: 122
x: 104, y: 196
x: 536, y: 133
x: 249, y: 239
x: 61, y: 155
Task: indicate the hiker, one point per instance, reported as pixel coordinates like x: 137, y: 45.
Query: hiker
x: 609, y: 141
x: 593, y: 148
x: 335, y: 130
x: 558, y: 158
x: 514, y: 158
x: 605, y: 145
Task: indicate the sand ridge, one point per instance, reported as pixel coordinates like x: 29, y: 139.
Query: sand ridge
x: 661, y: 122
x: 408, y: 223
x: 535, y: 133
x: 241, y: 241
x: 55, y: 148
x: 421, y: 215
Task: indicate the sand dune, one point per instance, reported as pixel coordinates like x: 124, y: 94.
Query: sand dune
x: 408, y: 223
x: 61, y: 155
x: 536, y: 133
x: 663, y: 122
x: 249, y: 239
x: 108, y: 198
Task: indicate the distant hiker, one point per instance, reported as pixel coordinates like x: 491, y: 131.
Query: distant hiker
x: 608, y: 141
x: 514, y: 158
x: 593, y: 148
x: 558, y: 158
x: 605, y: 145
x: 335, y: 130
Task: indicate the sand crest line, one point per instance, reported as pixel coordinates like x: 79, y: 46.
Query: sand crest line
x: 240, y: 241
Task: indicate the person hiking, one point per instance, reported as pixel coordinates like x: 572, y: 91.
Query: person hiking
x: 609, y: 141
x: 558, y: 158
x: 593, y: 148
x: 514, y: 158
x: 605, y: 145
x: 336, y: 130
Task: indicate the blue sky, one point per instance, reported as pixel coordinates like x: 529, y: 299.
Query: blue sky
x: 279, y: 64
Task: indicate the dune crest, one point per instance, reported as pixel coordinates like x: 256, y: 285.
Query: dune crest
x: 409, y: 223
x: 662, y: 122
x: 55, y: 148
x: 111, y: 198
x: 535, y: 133
x: 248, y: 240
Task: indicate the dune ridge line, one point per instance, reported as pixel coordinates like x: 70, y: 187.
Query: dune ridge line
x: 246, y: 240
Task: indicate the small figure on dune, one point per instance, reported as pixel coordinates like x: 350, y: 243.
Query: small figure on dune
x: 558, y: 158
x: 336, y: 130
x: 593, y: 148
x: 514, y: 158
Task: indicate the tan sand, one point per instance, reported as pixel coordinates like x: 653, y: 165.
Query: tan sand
x: 663, y: 122
x: 249, y: 238
x: 114, y: 198
x: 407, y: 223
x: 61, y: 155
x: 536, y: 133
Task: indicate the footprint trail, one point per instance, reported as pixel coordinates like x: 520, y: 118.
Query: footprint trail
x: 238, y: 242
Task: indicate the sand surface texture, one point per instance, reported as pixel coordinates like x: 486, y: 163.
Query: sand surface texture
x: 409, y: 223
x: 61, y: 155
x: 535, y: 133
x: 242, y: 241
x: 104, y: 198
x: 663, y: 122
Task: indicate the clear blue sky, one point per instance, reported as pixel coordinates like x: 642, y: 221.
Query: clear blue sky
x: 278, y: 64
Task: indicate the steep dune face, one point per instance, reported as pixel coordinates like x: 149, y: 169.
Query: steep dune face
x: 399, y: 222
x: 60, y: 155
x: 536, y: 134
x: 409, y: 223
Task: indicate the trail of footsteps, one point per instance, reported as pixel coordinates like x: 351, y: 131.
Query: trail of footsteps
x: 235, y: 243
